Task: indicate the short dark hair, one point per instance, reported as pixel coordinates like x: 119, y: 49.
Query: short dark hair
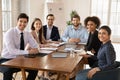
x: 49, y: 15
x: 23, y: 15
x: 107, y: 28
x: 75, y: 16
x: 94, y: 19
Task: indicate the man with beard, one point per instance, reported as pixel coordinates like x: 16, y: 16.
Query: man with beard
x: 75, y: 33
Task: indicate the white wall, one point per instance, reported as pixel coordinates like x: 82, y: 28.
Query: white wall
x: 15, y: 11
x: 0, y: 27
x: 36, y: 8
x: 81, y: 6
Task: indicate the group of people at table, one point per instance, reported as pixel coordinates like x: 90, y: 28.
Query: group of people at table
x: 97, y: 41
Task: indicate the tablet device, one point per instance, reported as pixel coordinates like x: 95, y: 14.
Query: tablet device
x: 41, y: 54
x: 30, y: 55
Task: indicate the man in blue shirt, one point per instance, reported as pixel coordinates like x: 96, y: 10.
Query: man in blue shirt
x: 75, y: 33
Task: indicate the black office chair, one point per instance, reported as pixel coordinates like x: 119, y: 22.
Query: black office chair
x: 113, y: 74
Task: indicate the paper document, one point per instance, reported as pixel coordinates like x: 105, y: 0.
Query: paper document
x: 89, y: 52
x: 57, y: 44
x: 45, y: 51
x: 78, y: 51
x: 82, y: 43
x: 54, y: 44
x: 68, y: 49
x: 48, y: 48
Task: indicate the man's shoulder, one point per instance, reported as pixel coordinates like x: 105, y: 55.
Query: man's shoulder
x: 83, y: 27
x: 44, y: 26
x: 11, y: 30
x: 69, y: 26
x: 55, y: 27
x: 28, y: 32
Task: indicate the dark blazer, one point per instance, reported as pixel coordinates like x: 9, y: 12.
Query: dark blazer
x: 93, y: 43
x: 54, y: 34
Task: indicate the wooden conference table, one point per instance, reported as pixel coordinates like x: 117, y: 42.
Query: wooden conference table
x: 47, y: 63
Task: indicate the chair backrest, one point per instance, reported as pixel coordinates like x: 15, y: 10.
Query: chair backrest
x: 107, y: 75
x: 113, y: 74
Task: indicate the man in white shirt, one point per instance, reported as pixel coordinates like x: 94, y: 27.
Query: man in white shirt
x: 14, y: 47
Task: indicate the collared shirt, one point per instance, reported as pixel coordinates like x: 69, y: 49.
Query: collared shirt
x: 11, y: 46
x: 80, y: 33
x: 106, y: 56
x: 49, y: 30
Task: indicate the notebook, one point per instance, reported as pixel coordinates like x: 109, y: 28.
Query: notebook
x: 59, y: 55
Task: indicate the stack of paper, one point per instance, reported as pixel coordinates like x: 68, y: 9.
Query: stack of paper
x: 82, y: 43
x: 48, y: 48
x: 45, y: 51
x: 68, y: 49
x: 57, y: 44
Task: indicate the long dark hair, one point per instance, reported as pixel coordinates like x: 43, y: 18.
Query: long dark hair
x: 40, y: 31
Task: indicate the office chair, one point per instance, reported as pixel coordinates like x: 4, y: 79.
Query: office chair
x: 113, y: 74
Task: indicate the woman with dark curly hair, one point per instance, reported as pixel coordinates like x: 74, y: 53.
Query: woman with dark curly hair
x: 93, y: 43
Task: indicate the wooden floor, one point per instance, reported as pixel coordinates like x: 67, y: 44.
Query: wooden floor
x: 19, y: 77
x: 117, y: 49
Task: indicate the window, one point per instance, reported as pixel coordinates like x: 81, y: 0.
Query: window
x: 115, y: 17
x: 109, y: 13
x: 6, y: 15
x: 100, y: 8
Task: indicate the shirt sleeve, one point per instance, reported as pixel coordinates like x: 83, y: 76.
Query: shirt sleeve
x: 65, y: 37
x: 32, y: 42
x: 84, y: 36
x: 11, y: 47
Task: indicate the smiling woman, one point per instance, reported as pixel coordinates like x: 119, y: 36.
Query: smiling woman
x: 106, y: 56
